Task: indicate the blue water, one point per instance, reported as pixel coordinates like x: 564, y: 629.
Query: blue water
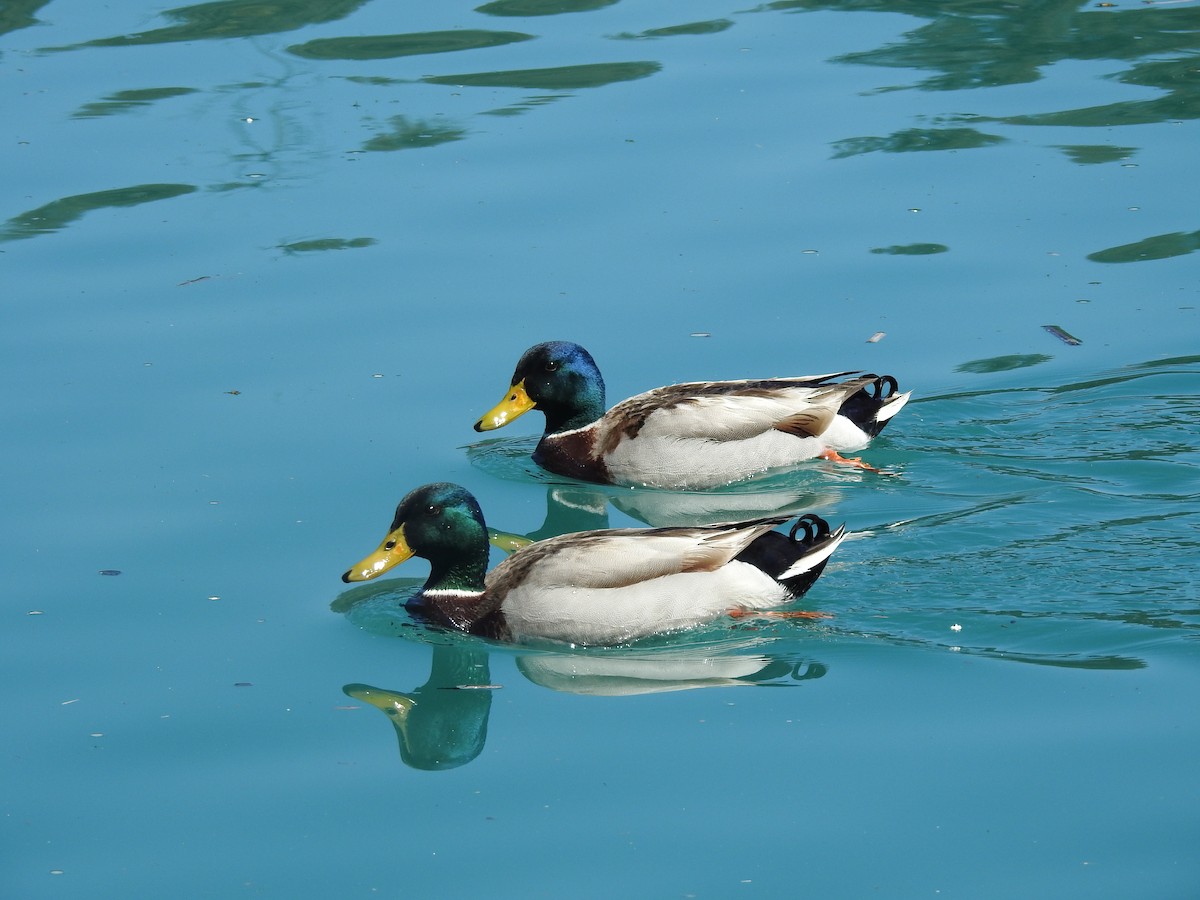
x: 264, y: 264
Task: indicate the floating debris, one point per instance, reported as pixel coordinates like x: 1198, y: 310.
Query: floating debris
x: 877, y: 337
x: 1063, y: 336
x: 700, y: 334
x: 243, y: 684
x: 478, y: 687
x: 35, y: 612
x: 194, y: 280
x: 956, y: 627
x: 110, y: 571
x: 233, y: 392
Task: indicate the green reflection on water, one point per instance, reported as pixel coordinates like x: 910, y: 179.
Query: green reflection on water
x: 60, y: 213
x: 233, y: 19
x: 914, y: 140
x: 712, y: 26
x: 327, y: 244
x: 1003, y: 363
x: 16, y: 14
x: 969, y: 44
x: 411, y: 134
x: 541, y: 7
x: 1095, y: 154
x: 1161, y: 246
x: 1180, y: 78
x: 390, y: 46
x: 524, y: 106
x: 986, y: 44
x: 911, y: 249
x: 122, y: 101
x: 562, y: 78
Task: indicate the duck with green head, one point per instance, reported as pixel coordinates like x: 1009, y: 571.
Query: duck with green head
x: 690, y: 436
x: 597, y: 587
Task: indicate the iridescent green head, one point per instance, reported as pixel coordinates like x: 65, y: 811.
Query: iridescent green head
x: 439, y: 522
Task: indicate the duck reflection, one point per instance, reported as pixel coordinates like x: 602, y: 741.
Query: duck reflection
x: 443, y: 724
x: 578, y: 507
x: 662, y: 509
x: 623, y: 676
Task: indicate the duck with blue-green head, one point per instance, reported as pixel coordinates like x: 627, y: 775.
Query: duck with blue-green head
x: 690, y: 436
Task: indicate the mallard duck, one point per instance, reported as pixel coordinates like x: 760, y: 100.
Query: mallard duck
x: 596, y: 587
x: 690, y: 436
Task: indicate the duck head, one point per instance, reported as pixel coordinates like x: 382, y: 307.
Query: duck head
x: 441, y: 523
x: 559, y: 378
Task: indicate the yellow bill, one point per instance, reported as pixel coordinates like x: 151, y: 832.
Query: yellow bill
x: 393, y: 551
x: 516, y: 404
x: 507, y: 541
x: 395, y: 704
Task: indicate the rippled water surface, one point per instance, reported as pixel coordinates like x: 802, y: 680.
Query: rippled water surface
x: 264, y: 264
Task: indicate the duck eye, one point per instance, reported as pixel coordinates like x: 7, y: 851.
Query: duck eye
x: 552, y: 365
x: 432, y: 510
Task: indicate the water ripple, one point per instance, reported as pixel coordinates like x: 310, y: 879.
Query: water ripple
x: 1072, y: 503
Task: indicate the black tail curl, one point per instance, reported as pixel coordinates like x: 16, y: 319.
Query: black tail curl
x: 775, y: 552
x: 815, y: 528
x: 884, y: 387
x: 862, y: 407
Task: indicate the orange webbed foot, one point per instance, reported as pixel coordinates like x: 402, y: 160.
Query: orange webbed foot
x: 833, y: 456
